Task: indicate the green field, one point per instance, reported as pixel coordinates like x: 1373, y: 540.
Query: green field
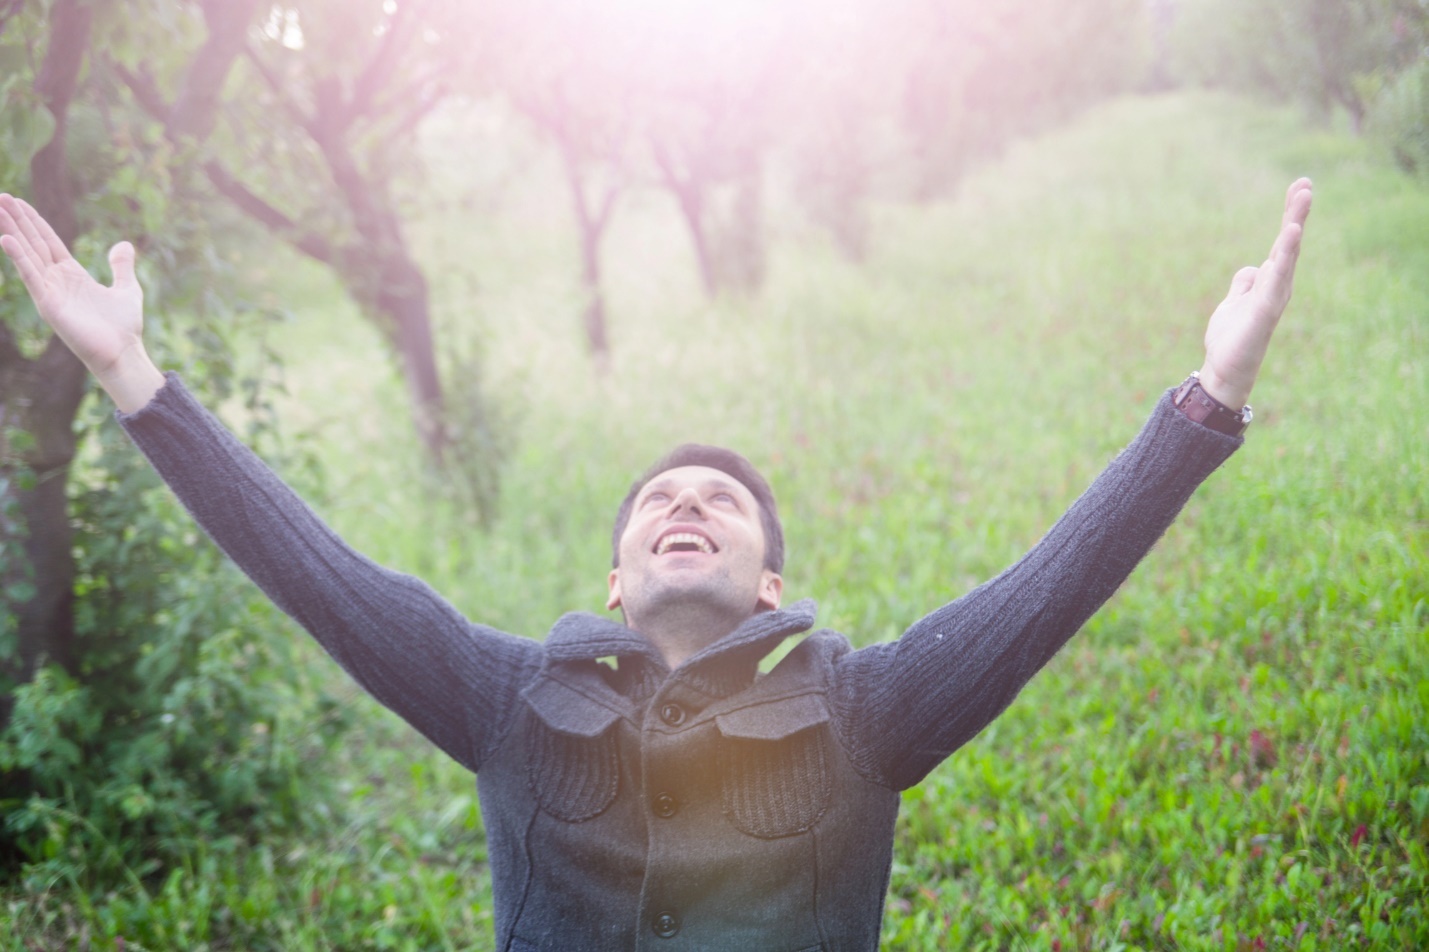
x: 1234, y: 754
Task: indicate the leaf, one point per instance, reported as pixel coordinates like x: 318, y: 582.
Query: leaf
x: 26, y: 130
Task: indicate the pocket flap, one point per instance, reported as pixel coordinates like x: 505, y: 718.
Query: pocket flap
x: 774, y: 720
x: 568, y: 711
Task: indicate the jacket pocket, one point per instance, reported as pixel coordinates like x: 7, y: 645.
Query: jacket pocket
x: 774, y: 765
x: 573, y: 761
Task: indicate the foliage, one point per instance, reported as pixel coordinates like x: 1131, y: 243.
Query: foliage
x: 1326, y: 53
x: 1231, y: 756
x: 186, y: 717
x: 179, y: 716
x: 1400, y: 119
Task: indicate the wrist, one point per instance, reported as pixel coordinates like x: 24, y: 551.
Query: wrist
x: 132, y: 380
x: 1192, y: 399
x: 1222, y: 390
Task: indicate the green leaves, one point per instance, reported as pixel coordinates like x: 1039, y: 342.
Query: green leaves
x: 25, y: 128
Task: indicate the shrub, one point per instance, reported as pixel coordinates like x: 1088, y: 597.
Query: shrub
x: 1400, y: 119
x: 189, y: 715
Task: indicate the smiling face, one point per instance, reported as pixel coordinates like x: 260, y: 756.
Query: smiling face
x: 694, y: 543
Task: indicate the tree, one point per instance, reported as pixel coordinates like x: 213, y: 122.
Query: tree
x: 329, y: 98
x: 561, y: 75
x: 1322, y: 52
x: 40, y: 391
x: 131, y: 661
x: 346, y: 106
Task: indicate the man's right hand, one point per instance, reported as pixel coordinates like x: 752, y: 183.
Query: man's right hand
x: 102, y: 325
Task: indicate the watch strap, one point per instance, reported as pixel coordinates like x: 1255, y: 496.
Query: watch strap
x: 1193, y: 400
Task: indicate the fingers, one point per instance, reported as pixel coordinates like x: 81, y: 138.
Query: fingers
x: 24, y: 219
x: 11, y: 229
x: 51, y: 241
x: 1293, y: 200
x: 121, y: 265
x: 1297, y: 210
x: 24, y: 261
x: 1279, y: 268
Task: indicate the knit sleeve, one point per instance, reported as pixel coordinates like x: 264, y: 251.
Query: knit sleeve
x: 453, y: 680
x: 904, y: 706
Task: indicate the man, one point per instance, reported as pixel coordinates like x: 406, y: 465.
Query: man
x: 677, y: 798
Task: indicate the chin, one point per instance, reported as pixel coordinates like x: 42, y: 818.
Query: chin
x: 699, y: 597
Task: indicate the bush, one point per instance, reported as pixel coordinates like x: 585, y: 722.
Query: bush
x: 1400, y: 119
x: 189, y: 715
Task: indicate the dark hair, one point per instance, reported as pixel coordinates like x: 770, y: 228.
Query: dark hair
x: 726, y: 461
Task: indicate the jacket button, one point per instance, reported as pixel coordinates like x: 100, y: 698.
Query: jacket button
x: 666, y: 924
x: 672, y: 714
x: 664, y: 805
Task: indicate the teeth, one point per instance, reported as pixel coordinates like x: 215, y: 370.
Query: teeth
x: 689, y: 538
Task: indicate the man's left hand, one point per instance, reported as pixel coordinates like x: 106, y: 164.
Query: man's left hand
x: 1243, y: 323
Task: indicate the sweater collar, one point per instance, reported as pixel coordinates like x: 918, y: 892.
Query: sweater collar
x: 720, y: 668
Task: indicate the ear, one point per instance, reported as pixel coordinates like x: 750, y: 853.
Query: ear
x: 771, y: 588
x: 613, y: 602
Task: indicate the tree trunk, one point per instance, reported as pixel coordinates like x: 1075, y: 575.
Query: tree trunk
x: 594, y: 315
x: 40, y: 398
x: 692, y: 207
x: 402, y: 307
x: 380, y: 274
x: 592, y: 224
x: 741, y: 252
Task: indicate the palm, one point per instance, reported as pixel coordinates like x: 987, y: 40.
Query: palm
x: 94, y: 320
x: 98, y: 323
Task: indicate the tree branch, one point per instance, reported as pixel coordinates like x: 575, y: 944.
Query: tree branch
x: 194, y: 108
x: 607, y: 203
x: 418, y: 113
x: 145, y: 90
x: 413, y: 90
x: 304, y: 121
x: 379, y: 69
x: 267, y: 215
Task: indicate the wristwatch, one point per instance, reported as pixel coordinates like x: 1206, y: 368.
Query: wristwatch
x: 1206, y: 410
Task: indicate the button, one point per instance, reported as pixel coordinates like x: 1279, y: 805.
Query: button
x: 672, y: 714
x: 666, y: 924
x: 664, y: 805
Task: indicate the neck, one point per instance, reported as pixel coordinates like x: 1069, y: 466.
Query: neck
x: 681, y: 630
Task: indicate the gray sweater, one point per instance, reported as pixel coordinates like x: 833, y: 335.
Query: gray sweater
x: 712, y: 807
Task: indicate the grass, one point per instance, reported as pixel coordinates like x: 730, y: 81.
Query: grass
x: 1233, y: 753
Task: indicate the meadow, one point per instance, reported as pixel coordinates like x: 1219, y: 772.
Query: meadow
x: 1233, y: 754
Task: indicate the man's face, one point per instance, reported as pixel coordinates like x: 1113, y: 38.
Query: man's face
x: 694, y: 536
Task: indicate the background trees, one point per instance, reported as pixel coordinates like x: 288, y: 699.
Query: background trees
x: 1329, y: 54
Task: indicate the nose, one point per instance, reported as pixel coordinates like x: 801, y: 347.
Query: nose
x: 687, y: 500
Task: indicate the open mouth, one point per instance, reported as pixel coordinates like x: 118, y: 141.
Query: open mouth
x: 685, y: 542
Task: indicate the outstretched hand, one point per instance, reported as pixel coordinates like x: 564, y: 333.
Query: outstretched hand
x: 1241, y: 327
x: 102, y: 325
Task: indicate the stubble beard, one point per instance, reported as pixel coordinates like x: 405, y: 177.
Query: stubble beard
x: 689, y: 615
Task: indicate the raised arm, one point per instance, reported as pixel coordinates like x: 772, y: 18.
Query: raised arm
x: 906, y: 705
x: 454, y: 681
